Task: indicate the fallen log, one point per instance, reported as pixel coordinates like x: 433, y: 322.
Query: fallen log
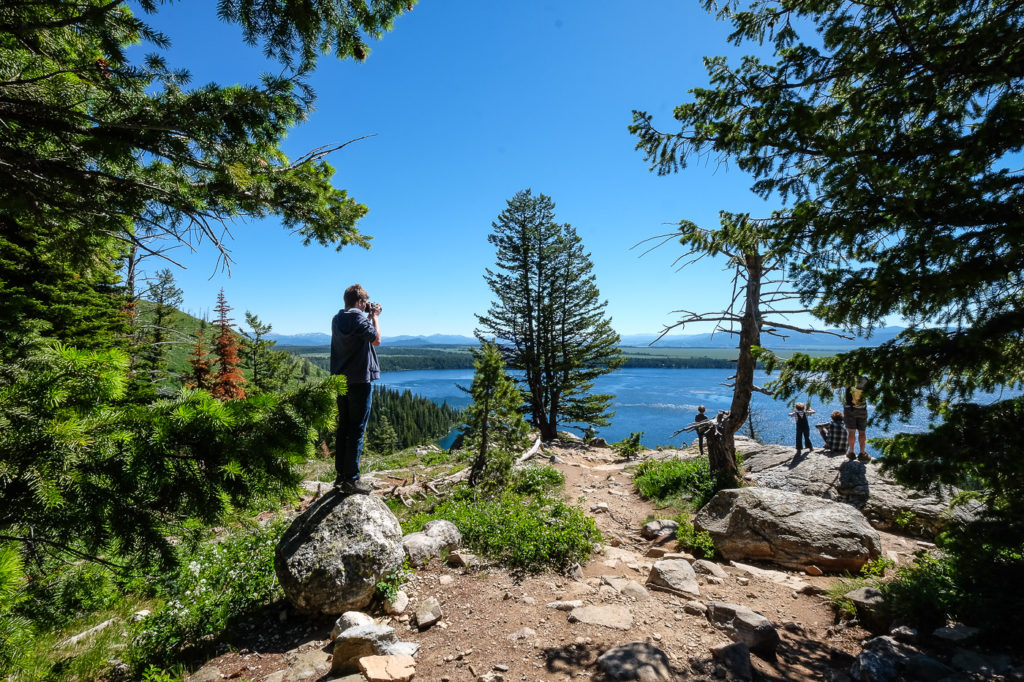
x: 435, y: 486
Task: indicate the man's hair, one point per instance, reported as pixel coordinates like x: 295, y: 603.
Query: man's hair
x: 799, y: 406
x: 836, y: 414
x: 354, y: 294
x: 700, y: 408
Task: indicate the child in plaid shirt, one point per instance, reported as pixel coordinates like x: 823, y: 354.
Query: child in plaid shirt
x: 834, y: 433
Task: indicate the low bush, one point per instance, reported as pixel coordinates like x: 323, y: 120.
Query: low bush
x: 388, y: 586
x: 697, y: 542
x: 663, y: 481
x: 536, y: 480
x: 524, y: 532
x: 630, y: 446
x: 219, y: 582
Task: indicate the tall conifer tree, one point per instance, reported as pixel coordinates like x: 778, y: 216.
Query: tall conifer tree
x: 548, y: 319
x: 228, y: 379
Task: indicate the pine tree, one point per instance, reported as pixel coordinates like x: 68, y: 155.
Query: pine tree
x: 548, y: 319
x: 383, y: 437
x: 272, y: 369
x: 150, y: 363
x: 228, y: 379
x: 494, y: 419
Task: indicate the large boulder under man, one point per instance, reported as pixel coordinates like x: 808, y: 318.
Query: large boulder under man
x: 333, y: 555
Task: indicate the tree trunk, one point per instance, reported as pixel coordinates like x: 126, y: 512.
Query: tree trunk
x: 722, y: 458
x: 721, y: 445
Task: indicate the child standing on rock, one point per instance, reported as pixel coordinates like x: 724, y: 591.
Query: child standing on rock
x: 803, y: 428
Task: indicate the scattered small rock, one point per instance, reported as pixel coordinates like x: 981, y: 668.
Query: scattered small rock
x: 349, y: 619
x: 398, y: 605
x: 462, y: 559
x: 565, y: 605
x: 956, y: 634
x: 524, y: 633
x: 428, y: 612
x: 745, y: 625
x: 675, y: 576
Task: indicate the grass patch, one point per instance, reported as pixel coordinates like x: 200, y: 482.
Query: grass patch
x: 524, y: 532
x: 675, y: 482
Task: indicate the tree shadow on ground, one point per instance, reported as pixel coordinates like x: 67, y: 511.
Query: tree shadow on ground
x: 801, y: 658
x: 574, y: 659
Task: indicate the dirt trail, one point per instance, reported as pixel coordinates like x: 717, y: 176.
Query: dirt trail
x: 486, y: 610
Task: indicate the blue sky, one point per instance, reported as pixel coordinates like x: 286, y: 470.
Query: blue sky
x: 470, y: 102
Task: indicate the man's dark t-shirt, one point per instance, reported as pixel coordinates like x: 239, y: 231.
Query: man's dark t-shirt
x: 352, y: 350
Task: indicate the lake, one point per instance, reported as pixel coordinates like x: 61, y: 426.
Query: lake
x: 657, y: 402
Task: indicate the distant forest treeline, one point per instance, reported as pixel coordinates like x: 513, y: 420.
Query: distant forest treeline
x: 415, y: 419
x: 400, y: 358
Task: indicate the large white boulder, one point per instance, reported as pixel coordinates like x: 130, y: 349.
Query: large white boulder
x: 333, y: 555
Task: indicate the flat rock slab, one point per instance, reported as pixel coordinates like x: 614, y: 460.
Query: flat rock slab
x: 399, y: 668
x: 830, y: 476
x: 612, y: 616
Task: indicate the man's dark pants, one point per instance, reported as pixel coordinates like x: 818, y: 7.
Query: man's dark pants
x: 353, y: 414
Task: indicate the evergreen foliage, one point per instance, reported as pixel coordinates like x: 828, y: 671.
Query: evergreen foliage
x: 149, y: 359
x: 548, y: 319
x: 101, y: 146
x: 202, y: 365
x: 494, y: 419
x: 271, y: 369
x: 893, y: 136
x: 383, y: 438
x: 84, y: 477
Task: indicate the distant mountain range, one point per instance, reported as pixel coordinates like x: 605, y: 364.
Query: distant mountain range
x: 795, y: 341
x: 719, y: 340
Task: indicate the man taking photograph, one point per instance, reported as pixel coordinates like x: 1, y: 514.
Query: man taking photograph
x: 355, y: 334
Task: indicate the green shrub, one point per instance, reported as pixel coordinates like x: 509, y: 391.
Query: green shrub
x: 522, y: 532
x: 218, y: 583
x: 662, y: 481
x: 536, y: 480
x: 697, y: 542
x: 389, y: 585
x: 629, y: 447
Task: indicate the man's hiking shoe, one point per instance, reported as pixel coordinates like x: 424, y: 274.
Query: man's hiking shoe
x: 864, y: 457
x: 850, y: 456
x: 797, y: 453
x: 352, y: 487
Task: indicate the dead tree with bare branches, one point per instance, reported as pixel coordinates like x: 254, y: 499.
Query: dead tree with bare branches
x: 759, y: 288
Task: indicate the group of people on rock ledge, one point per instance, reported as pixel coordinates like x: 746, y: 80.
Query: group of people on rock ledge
x: 841, y: 433
x: 844, y: 430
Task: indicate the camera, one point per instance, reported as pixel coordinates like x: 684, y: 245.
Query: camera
x: 373, y: 308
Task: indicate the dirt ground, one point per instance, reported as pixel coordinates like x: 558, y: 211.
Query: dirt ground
x: 486, y: 609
